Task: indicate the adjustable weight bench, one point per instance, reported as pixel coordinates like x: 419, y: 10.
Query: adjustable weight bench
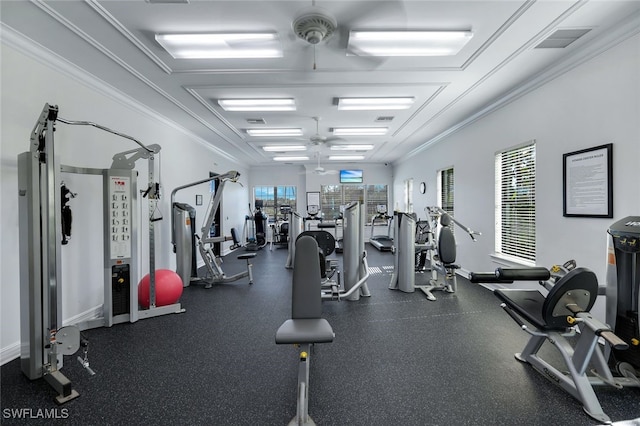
x: 306, y: 327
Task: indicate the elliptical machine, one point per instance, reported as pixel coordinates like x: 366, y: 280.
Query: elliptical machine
x: 254, y: 233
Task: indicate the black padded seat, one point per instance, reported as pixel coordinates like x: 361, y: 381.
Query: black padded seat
x: 579, y: 286
x: 306, y: 324
x: 247, y: 256
x: 312, y: 330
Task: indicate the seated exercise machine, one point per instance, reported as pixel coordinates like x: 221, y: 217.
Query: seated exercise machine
x: 356, y: 270
x: 441, y: 252
x: 417, y: 250
x: 554, y: 318
x: 438, y: 255
x: 306, y: 326
x: 184, y: 239
x: 381, y: 242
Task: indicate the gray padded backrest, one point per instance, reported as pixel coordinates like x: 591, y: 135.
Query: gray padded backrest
x: 446, y: 245
x: 306, y: 300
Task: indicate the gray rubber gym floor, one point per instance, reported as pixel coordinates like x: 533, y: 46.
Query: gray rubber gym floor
x: 397, y: 359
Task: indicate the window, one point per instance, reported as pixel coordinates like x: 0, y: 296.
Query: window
x: 334, y: 196
x: 445, y: 190
x: 408, y: 195
x: 516, y: 203
x: 273, y: 197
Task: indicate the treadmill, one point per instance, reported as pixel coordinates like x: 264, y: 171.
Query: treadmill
x: 381, y: 242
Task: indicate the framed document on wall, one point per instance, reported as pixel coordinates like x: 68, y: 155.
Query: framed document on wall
x: 588, y: 182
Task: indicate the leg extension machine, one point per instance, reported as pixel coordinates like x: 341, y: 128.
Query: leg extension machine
x: 553, y: 319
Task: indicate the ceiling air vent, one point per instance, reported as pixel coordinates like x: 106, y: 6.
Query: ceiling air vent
x: 384, y: 119
x: 256, y: 121
x: 562, y: 38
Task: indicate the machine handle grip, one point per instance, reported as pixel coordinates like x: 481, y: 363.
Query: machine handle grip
x: 614, y: 341
x: 537, y: 273
x: 487, y: 277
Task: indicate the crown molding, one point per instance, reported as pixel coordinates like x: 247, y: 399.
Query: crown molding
x: 46, y: 57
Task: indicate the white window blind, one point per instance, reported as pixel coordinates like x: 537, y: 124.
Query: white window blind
x: 515, y: 211
x: 333, y: 196
x: 446, y: 190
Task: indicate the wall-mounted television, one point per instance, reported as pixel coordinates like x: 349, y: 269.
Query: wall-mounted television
x: 350, y: 176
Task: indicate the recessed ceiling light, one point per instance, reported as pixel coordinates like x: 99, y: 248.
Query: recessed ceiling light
x: 346, y: 157
x: 280, y: 104
x: 284, y: 148
x: 357, y: 147
x: 370, y: 104
x: 290, y: 158
x: 360, y: 131
x: 275, y: 132
x: 221, y: 45
x: 407, y: 43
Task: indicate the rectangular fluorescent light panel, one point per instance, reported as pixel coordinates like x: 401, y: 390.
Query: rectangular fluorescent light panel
x: 275, y: 132
x: 221, y: 45
x: 360, y: 131
x: 284, y: 148
x: 360, y: 147
x: 301, y: 158
x: 370, y: 104
x: 282, y: 104
x: 346, y: 157
x: 407, y: 43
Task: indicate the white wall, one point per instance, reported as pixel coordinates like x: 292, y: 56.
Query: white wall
x: 596, y: 103
x: 30, y: 78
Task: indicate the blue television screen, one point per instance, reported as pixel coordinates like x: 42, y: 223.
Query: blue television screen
x: 350, y: 176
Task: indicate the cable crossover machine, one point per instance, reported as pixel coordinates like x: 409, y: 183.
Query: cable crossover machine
x: 43, y: 339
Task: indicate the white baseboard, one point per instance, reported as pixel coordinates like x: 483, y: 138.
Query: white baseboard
x: 12, y: 351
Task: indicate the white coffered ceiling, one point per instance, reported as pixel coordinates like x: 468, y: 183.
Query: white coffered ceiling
x: 115, y: 41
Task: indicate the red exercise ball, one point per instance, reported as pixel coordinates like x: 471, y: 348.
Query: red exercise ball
x: 168, y: 288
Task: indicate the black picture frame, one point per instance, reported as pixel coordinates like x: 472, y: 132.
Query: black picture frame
x: 587, y: 177
x: 198, y: 200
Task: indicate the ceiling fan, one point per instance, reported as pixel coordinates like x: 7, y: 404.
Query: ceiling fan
x: 318, y: 139
x: 319, y: 170
x: 316, y: 25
